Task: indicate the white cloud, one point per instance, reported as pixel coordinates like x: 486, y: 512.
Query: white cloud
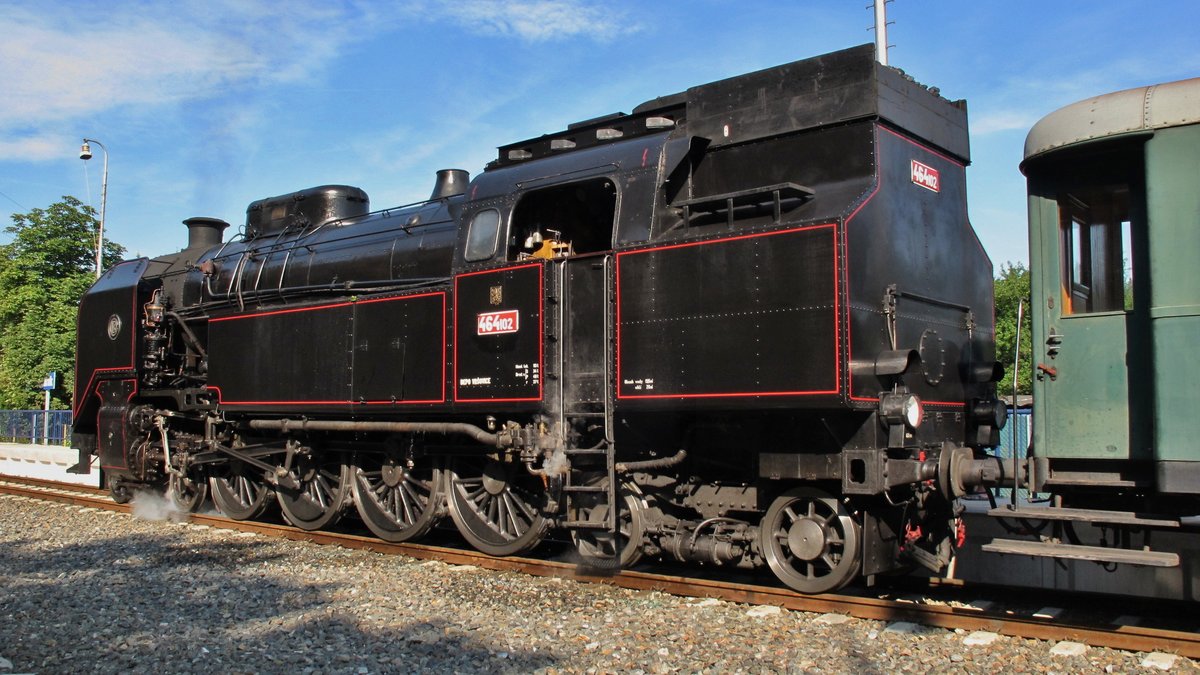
x: 1019, y: 100
x: 1002, y: 120
x: 36, y: 147
x: 534, y: 20
x: 63, y: 68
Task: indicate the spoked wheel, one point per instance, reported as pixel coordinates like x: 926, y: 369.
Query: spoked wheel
x: 118, y: 490
x: 496, y: 505
x: 187, y: 491
x: 322, y: 494
x: 239, y: 492
x: 631, y: 526
x: 398, y: 499
x: 810, y: 541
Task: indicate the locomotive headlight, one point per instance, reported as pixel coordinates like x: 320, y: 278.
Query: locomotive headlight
x: 913, y: 412
x: 901, y: 408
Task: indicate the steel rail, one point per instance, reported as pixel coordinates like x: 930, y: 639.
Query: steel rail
x: 1130, y: 638
x: 54, y: 484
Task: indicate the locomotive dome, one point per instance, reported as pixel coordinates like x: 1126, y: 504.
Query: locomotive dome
x: 313, y: 206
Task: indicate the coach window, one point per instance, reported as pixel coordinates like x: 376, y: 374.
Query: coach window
x: 1094, y: 232
x: 481, y: 238
x: 564, y: 220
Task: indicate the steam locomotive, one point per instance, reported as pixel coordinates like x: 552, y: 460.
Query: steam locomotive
x: 747, y: 324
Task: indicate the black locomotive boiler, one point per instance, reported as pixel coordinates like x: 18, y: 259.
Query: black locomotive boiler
x: 746, y: 324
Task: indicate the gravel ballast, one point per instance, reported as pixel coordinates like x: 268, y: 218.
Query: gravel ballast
x: 85, y: 590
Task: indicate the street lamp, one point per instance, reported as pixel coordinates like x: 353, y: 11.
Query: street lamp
x: 85, y: 153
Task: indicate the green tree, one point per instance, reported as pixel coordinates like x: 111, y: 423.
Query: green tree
x: 44, y: 271
x: 1012, y: 287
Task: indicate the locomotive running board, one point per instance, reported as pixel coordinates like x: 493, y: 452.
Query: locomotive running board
x: 1076, y: 552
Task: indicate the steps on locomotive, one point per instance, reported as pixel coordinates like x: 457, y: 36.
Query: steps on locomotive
x: 1046, y: 549
x: 586, y: 525
x: 1104, y: 554
x: 604, y: 495
x: 585, y: 488
x: 1088, y: 515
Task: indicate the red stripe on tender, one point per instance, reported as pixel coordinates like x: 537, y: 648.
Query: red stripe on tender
x: 221, y: 401
x: 803, y: 392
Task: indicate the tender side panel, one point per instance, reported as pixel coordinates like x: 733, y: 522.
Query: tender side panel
x: 377, y: 351
x: 740, y: 316
x: 498, y: 350
x: 400, y: 350
x: 911, y: 235
x: 286, y: 357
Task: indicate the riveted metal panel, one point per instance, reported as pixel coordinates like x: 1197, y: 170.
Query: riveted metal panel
x: 730, y: 318
x: 498, y: 350
x: 298, y: 356
x: 399, y: 354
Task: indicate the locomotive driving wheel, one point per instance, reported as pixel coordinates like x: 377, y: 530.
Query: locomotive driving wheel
x: 238, y: 491
x: 631, y: 526
x: 316, y: 491
x: 496, y: 505
x: 399, y: 498
x: 810, y: 541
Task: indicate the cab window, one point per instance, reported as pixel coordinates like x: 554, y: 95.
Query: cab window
x: 564, y: 220
x: 481, y: 238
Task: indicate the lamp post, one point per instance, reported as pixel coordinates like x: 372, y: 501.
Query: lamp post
x: 85, y: 153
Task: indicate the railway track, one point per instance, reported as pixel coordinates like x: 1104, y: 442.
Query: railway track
x: 1126, y: 637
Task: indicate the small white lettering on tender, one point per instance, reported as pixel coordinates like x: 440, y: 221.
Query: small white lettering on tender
x: 926, y: 176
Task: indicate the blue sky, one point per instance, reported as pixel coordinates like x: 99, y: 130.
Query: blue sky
x: 208, y: 105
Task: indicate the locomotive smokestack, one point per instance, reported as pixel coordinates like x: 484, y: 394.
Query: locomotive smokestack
x: 204, y: 232
x: 450, y: 182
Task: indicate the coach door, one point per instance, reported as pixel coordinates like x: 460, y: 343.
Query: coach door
x: 571, y: 226
x: 1089, y: 335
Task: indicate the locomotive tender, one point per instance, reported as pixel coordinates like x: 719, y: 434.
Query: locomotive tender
x: 746, y: 324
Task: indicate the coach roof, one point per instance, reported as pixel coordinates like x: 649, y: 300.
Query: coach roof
x: 1124, y: 112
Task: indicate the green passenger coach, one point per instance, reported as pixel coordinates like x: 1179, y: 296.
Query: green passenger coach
x: 1114, y: 243
x: 1114, y: 232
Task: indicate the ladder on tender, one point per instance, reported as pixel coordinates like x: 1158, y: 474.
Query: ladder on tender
x: 601, y: 495
x: 581, y: 489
